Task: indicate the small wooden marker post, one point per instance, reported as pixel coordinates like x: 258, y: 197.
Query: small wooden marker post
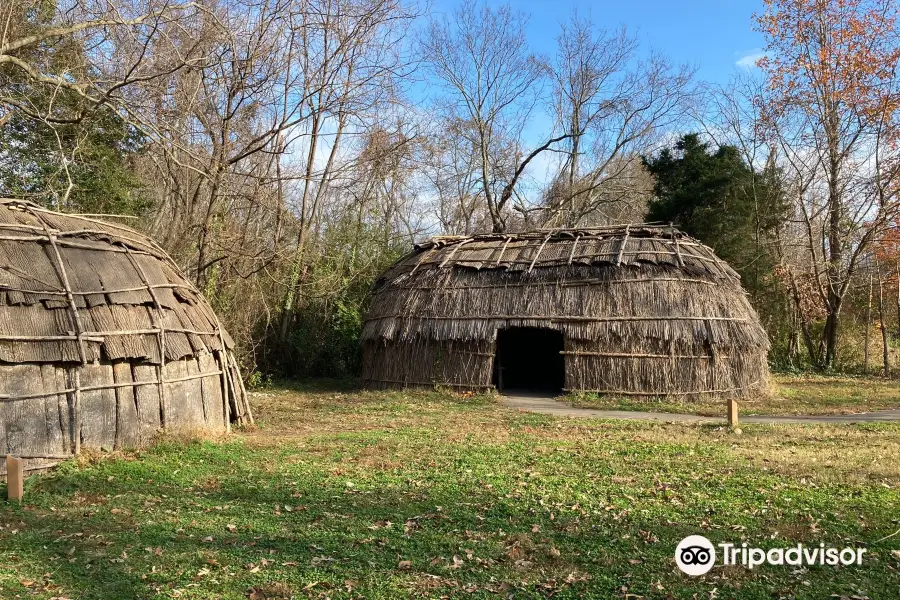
x: 733, y: 414
x: 14, y: 478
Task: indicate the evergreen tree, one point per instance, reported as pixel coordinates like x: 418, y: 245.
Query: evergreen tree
x: 716, y: 197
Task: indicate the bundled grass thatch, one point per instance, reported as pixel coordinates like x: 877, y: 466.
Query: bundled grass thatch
x: 644, y: 310
x: 102, y: 341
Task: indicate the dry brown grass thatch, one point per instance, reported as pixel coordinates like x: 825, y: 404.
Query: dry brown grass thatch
x: 103, y: 342
x: 643, y: 309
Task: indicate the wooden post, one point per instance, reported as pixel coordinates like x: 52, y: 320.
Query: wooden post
x: 14, y: 478
x: 79, y: 331
x: 733, y: 414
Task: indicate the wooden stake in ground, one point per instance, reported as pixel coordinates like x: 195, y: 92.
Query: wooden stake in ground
x: 15, y: 478
x: 733, y: 414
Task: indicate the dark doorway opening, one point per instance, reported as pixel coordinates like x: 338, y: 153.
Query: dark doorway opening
x: 528, y: 359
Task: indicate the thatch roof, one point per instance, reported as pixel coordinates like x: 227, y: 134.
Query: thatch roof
x: 623, y: 245
x: 102, y: 339
x: 115, y: 275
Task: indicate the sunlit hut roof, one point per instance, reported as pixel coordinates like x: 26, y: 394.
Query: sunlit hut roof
x: 465, y: 287
x: 616, y: 245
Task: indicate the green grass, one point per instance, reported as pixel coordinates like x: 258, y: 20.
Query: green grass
x: 790, y: 395
x: 342, y: 494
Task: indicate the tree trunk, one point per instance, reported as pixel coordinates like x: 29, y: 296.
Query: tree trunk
x: 793, y: 339
x: 814, y: 356
x: 497, y: 224
x: 830, y: 337
x: 897, y: 275
x: 506, y: 194
x: 884, y: 335
x: 573, y: 166
x: 835, y: 241
x: 202, y: 244
x: 868, y: 328
x: 287, y: 305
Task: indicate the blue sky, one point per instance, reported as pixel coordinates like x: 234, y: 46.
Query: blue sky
x: 711, y: 34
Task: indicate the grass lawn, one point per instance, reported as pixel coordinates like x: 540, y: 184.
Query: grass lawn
x: 790, y: 395
x: 345, y: 494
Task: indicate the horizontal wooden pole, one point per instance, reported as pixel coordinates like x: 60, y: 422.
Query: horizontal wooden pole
x: 485, y: 242
x: 6, y: 288
x: 88, y: 217
x: 125, y: 235
x: 577, y: 257
x: 48, y: 338
x: 40, y: 456
x: 626, y: 355
x: 660, y: 394
x: 73, y: 244
x: 560, y: 318
x: 573, y: 283
x: 152, y: 331
x: 36, y: 467
x: 108, y: 386
x: 98, y: 336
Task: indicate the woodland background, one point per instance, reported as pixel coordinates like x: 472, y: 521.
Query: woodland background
x: 286, y: 151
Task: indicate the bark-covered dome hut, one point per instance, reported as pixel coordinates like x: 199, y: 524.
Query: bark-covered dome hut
x: 637, y: 310
x: 102, y: 340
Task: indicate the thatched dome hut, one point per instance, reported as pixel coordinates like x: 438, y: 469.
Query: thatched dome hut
x: 103, y: 342
x: 636, y: 310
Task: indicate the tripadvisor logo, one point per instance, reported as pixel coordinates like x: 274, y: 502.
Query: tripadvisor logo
x: 696, y: 555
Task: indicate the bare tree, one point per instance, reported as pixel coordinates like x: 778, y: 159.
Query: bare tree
x: 610, y: 108
x: 29, y: 49
x: 491, y: 79
x: 450, y: 167
x: 351, y: 56
x: 68, y: 74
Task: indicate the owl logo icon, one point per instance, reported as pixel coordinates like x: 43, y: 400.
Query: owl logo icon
x: 695, y: 555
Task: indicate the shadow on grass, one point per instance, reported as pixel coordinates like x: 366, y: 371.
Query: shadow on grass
x: 188, y: 522
x: 389, y: 543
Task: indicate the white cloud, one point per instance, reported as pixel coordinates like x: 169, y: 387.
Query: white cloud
x: 748, y: 59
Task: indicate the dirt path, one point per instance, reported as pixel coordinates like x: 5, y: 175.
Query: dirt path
x: 551, y: 406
